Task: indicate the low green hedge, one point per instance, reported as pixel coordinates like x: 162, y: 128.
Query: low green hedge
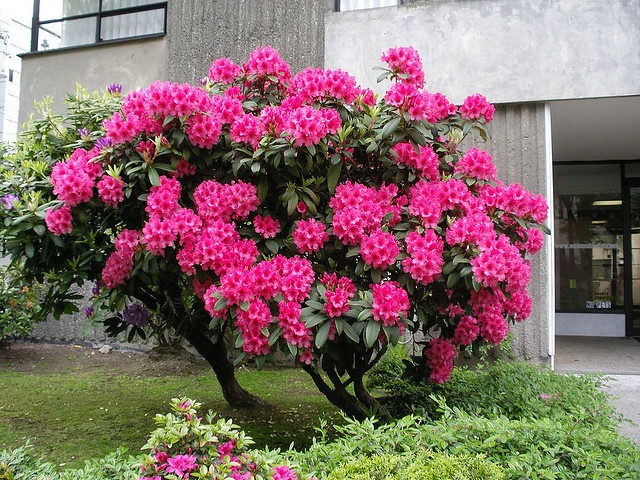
x: 424, y: 466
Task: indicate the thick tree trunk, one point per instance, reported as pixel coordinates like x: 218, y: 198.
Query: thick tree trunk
x: 215, y: 353
x: 359, y: 406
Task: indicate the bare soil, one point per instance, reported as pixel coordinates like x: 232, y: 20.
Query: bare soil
x: 23, y: 356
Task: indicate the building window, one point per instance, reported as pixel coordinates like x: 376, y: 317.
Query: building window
x: 588, y: 238
x: 346, y: 5
x: 72, y: 23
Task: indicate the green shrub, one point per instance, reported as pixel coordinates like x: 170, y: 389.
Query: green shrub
x: 565, y: 447
x: 19, y: 304
x: 512, y: 389
x: 424, y: 466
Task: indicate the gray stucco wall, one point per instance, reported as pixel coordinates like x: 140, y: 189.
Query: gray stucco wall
x: 133, y: 64
x: 200, y: 31
x: 510, y: 50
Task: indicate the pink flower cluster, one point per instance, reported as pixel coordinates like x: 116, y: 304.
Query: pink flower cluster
x: 307, y: 125
x: 266, y: 62
x: 476, y: 106
x: 379, y: 249
x: 309, y: 235
x: 224, y: 70
x: 358, y: 210
x: 266, y: 226
x: 339, y: 291
x: 117, y: 268
x: 59, y: 221
x: 440, y: 355
x: 424, y: 161
x: 110, y: 190
x: 390, y: 303
x: 424, y: 256
x: 315, y: 84
x: 73, y: 180
x: 476, y: 163
x: 405, y: 64
x: 516, y: 200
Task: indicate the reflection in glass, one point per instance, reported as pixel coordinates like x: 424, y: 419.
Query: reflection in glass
x: 588, y: 238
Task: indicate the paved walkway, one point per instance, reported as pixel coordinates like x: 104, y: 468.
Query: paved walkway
x: 619, y: 359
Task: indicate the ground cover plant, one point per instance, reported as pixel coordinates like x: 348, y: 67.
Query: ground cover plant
x: 273, y: 212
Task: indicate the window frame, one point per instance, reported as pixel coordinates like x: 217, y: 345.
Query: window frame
x: 99, y: 15
x: 337, y: 6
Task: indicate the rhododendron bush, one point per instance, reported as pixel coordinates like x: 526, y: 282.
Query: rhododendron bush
x: 307, y: 215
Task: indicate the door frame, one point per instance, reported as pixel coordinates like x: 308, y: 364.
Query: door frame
x: 627, y: 184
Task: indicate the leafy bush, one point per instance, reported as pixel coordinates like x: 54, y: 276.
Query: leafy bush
x: 19, y: 305
x: 183, y: 446
x: 425, y: 466
x: 512, y: 389
x: 558, y: 448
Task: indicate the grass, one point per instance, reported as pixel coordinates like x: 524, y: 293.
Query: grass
x: 74, y: 416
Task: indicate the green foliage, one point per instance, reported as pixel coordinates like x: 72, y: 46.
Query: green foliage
x: 512, y: 389
x: 24, y: 177
x: 560, y: 448
x: 20, y: 464
x: 421, y: 466
x: 19, y: 303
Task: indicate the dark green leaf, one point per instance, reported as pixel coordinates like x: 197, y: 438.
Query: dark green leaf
x: 371, y: 332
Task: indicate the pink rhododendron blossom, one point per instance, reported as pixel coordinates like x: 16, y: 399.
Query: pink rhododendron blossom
x: 307, y: 125
x: 493, y: 327
x: 406, y: 65
x: 266, y: 62
x: 379, y: 249
x: 203, y: 130
x: 210, y: 301
x: 224, y: 70
x: 390, y: 302
x: 266, y: 226
x: 294, y: 330
x: 110, y: 190
x: 163, y: 199
x: 439, y: 108
x: 467, y: 330
x: 475, y: 229
x: 247, y: 129
x: 339, y: 291
x: 59, y: 221
x: 309, y: 235
x: 315, y: 84
x: 226, y: 109
x: 425, y: 161
x: 476, y: 106
x: 158, y: 234
x: 440, y: 355
x: 73, y: 180
x: 250, y: 323
x: 184, y: 169
x: 476, y: 164
x: 424, y: 203
x: 424, y: 256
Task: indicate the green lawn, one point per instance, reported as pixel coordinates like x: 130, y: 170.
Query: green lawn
x: 74, y: 416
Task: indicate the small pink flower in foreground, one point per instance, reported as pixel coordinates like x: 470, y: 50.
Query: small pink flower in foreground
x: 181, y: 465
x: 267, y: 226
x: 284, y: 473
x: 310, y: 235
x: 110, y: 190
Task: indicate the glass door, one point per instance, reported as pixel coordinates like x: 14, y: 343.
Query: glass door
x: 632, y: 252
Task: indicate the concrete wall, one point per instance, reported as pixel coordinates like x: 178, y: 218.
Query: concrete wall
x: 200, y: 31
x: 511, y: 51
x: 133, y: 64
x: 518, y: 146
